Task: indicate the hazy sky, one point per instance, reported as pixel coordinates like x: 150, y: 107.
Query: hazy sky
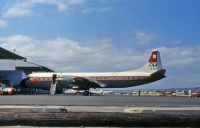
x: 106, y: 35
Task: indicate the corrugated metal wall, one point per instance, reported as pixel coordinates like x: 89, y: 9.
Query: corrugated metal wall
x: 14, y: 77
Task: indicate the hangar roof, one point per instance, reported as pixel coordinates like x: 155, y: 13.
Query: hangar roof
x: 11, y: 64
x: 5, y: 54
x: 10, y: 61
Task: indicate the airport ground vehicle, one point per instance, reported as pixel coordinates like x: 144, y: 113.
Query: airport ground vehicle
x: 4, y: 89
x: 156, y: 93
x: 195, y: 94
x: 168, y: 93
x: 7, y: 91
x: 70, y: 92
x: 136, y: 93
x: 180, y: 93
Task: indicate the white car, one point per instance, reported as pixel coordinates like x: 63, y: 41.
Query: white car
x: 9, y: 91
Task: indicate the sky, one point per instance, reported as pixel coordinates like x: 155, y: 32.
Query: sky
x: 106, y: 35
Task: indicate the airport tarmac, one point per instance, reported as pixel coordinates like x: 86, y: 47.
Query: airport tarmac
x: 63, y: 100
x: 62, y: 110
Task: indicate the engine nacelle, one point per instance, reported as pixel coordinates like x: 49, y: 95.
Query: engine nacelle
x: 25, y: 82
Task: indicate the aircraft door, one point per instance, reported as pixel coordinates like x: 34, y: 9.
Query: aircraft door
x: 54, y: 77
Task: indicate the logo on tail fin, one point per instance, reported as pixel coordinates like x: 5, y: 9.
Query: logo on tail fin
x: 153, y: 57
x: 155, y: 61
x: 153, y: 64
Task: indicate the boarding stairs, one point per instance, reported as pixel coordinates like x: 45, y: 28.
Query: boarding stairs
x: 53, y: 88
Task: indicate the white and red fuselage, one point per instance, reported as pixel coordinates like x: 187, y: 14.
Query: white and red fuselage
x: 151, y: 71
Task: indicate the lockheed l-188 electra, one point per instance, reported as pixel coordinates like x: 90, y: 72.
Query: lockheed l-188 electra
x: 150, y: 72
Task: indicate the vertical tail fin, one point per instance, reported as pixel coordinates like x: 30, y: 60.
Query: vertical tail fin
x: 154, y: 63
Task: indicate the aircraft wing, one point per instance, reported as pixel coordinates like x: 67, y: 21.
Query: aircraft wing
x: 85, y: 83
x: 81, y: 83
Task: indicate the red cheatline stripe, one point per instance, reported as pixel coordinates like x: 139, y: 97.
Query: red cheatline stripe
x: 116, y: 76
x: 38, y: 79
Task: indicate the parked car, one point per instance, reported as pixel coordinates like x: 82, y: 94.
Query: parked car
x: 180, y: 93
x: 195, y: 94
x: 9, y: 91
x: 6, y: 90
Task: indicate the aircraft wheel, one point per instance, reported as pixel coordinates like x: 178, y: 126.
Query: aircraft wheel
x: 86, y: 93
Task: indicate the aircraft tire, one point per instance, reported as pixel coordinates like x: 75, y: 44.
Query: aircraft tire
x: 86, y: 93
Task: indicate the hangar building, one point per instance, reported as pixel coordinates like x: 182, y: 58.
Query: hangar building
x: 14, y: 68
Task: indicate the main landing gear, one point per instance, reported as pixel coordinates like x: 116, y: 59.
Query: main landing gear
x: 86, y: 93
